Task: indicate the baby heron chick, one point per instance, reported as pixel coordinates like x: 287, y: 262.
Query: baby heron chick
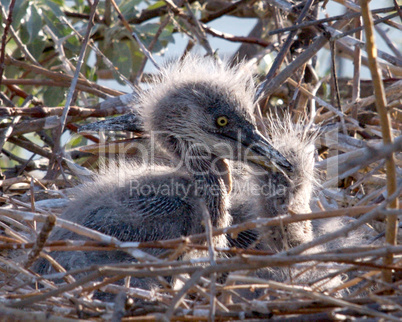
x: 200, y: 113
x: 275, y: 194
x: 267, y: 194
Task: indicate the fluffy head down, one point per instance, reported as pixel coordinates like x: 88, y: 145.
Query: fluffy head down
x: 278, y: 192
x: 236, y: 82
x: 296, y: 144
x: 259, y: 193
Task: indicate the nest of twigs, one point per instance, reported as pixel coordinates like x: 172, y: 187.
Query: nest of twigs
x: 365, y: 187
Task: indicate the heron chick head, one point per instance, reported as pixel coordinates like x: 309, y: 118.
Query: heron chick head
x: 203, y: 107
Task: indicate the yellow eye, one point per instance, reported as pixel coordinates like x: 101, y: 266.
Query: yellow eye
x: 222, y: 121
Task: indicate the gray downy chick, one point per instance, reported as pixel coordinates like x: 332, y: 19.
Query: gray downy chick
x: 268, y: 194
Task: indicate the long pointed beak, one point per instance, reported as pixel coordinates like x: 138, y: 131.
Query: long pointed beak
x: 260, y: 152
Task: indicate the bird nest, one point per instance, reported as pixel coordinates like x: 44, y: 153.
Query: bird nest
x: 222, y: 284
x: 357, y: 171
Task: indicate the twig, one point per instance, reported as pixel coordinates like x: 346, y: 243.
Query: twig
x: 346, y: 50
x: 46, y: 111
x: 371, y: 154
x: 283, y: 52
x: 49, y: 82
x: 30, y: 146
x: 357, y: 8
x: 231, y: 7
x: 393, y: 92
x: 106, y: 60
x: 121, y: 17
x: 163, y: 24
x: 145, y: 51
x: 77, y: 71
x: 68, y: 287
x: 199, y: 32
x: 22, y: 315
x: 320, y: 101
x: 332, y: 45
x: 229, y: 37
x: 362, y: 258
x: 57, y: 148
x: 4, y: 38
x: 396, y: 6
x: 24, y: 162
x: 381, y: 104
x: 212, y: 257
x: 20, y: 44
x: 389, y: 42
x: 5, y: 134
x: 335, y: 86
x: 359, y: 28
x: 342, y: 232
x: 322, y: 297
x: 318, y: 22
x: 299, y: 61
x: 183, y: 291
x: 6, y: 101
x: 356, y: 69
x: 40, y: 241
x: 59, y: 49
x: 351, y: 41
x: 80, y: 230
x: 60, y: 78
x: 225, y: 266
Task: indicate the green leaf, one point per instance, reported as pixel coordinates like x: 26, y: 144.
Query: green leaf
x: 19, y: 12
x: 129, y: 8
x: 149, y: 28
x: 53, y: 96
x: 33, y: 22
x: 136, y: 56
x: 59, y: 3
x: 157, y: 5
x: 55, y: 6
x: 166, y: 35
x: 122, y: 58
x: 75, y: 141
x: 37, y: 46
x: 12, y: 71
x: 24, y: 34
x: 147, y: 33
x: 51, y: 18
x: 54, y: 23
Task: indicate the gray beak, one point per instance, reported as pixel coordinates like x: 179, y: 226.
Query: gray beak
x: 260, y: 152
